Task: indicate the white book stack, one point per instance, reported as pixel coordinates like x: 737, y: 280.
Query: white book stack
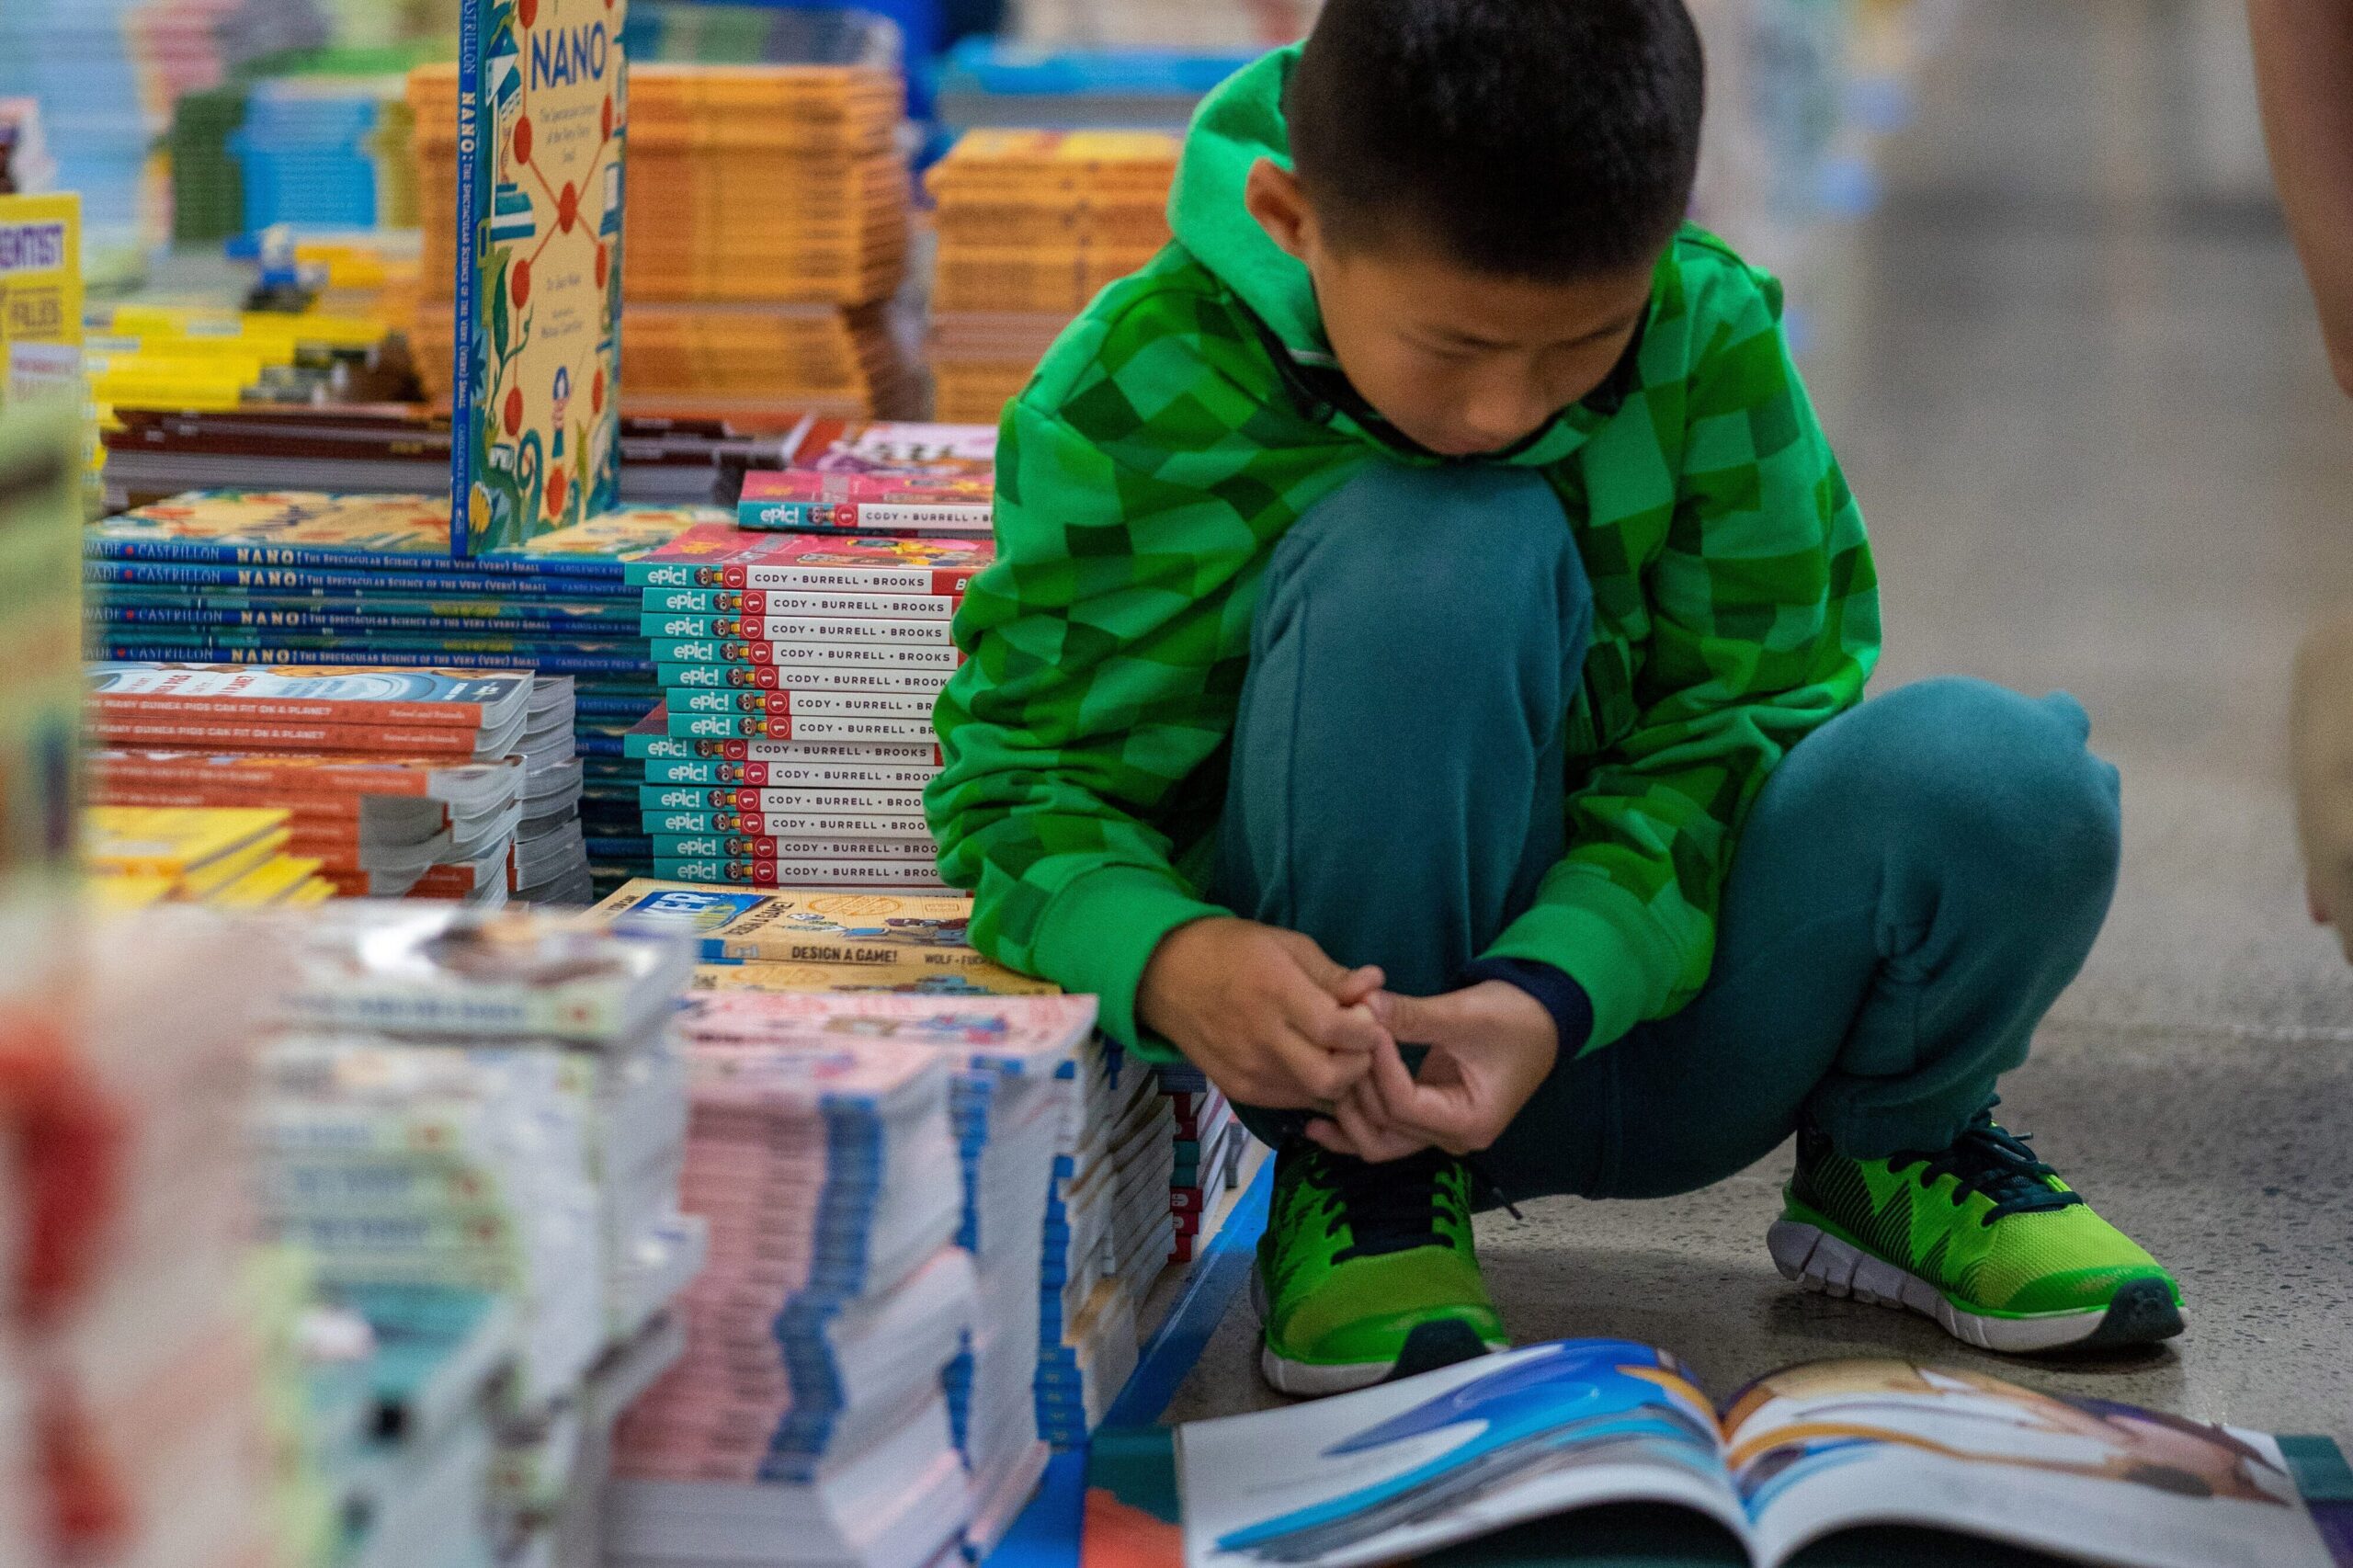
x: 494, y: 1104
x: 807, y: 1424
x: 1108, y: 1233
x: 1009, y: 1106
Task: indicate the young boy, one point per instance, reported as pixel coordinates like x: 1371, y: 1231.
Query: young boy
x: 1430, y: 617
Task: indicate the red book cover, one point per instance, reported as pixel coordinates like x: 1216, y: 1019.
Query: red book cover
x: 286, y: 695
x: 717, y: 555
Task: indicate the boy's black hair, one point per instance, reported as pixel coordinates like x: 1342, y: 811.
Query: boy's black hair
x: 1539, y: 138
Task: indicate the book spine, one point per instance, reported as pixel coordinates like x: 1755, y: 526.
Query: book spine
x: 807, y: 704
x: 880, y: 874
x: 938, y: 581
x: 753, y: 825
x: 770, y: 846
x: 213, y: 652
x: 470, y: 196
x: 943, y: 657
x: 932, y: 633
x: 906, y: 806
x: 923, y: 608
x: 868, y: 516
x: 202, y: 553
x: 415, y: 584
x: 255, y: 734
x: 875, y: 750
x: 783, y: 727
x: 131, y: 706
x: 327, y: 621
x: 112, y: 793
x: 792, y: 677
x: 294, y: 786
x: 781, y: 775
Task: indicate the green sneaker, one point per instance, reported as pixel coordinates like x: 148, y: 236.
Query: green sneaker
x: 1985, y: 1238
x: 1366, y: 1272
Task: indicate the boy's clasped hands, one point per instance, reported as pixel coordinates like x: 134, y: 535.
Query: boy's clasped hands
x: 1276, y: 1024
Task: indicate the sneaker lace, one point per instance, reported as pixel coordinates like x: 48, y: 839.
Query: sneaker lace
x: 1388, y: 1208
x: 1991, y: 1160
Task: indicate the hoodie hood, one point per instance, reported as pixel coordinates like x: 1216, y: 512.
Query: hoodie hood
x: 1240, y: 123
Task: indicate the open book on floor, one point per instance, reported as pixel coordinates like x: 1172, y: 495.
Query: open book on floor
x: 1548, y: 1441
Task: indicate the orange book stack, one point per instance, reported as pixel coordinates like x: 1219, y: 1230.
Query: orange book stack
x: 764, y: 233
x: 1033, y: 224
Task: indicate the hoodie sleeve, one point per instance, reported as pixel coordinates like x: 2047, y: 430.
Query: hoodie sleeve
x: 1763, y: 625
x: 1108, y: 644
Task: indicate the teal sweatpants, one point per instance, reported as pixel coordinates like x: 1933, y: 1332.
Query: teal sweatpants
x: 1919, y: 880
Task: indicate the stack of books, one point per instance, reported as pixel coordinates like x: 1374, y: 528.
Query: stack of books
x: 1007, y: 1105
x: 528, y: 844
x: 1216, y: 1158
x: 1032, y: 225
x: 230, y: 856
x: 1109, y: 1233
x: 288, y: 578
x: 491, y: 1105
x: 151, y: 1365
x: 809, y: 1421
x: 798, y: 674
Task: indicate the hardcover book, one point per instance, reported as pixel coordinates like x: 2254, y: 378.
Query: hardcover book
x: 542, y: 113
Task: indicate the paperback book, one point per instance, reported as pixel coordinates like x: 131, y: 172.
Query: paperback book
x: 1803, y: 1454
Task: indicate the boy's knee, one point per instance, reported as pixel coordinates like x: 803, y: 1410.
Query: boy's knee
x: 1442, y: 551
x: 1982, y: 778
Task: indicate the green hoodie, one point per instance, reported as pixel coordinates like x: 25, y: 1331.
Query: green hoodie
x: 1193, y: 413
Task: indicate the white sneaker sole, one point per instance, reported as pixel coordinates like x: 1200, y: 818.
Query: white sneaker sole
x: 1820, y: 1262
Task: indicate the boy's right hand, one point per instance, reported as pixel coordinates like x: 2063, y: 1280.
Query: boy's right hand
x: 1266, y: 1013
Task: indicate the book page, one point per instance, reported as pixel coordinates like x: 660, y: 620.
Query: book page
x: 1406, y: 1467
x: 1842, y: 1444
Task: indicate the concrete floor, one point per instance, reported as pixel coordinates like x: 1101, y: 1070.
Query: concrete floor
x: 2077, y: 386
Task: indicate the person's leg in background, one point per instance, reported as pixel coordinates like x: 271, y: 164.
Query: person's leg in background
x: 1396, y: 793
x: 1918, y: 881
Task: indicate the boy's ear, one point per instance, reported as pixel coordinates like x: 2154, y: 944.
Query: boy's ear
x: 1274, y: 197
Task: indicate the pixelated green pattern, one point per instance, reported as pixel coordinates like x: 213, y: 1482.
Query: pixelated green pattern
x: 1146, y: 476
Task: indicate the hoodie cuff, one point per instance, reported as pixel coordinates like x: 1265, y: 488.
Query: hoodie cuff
x: 1571, y: 1007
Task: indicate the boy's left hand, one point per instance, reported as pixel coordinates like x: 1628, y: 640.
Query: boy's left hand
x: 1491, y: 1047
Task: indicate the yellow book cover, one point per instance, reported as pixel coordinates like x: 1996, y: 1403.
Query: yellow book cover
x: 279, y: 880
x: 205, y: 882
x: 173, y: 841
x: 40, y: 298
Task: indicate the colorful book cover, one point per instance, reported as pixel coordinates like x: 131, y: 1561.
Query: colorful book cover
x: 1014, y: 1034
x: 905, y: 979
x: 896, y: 450
x: 543, y: 108
x: 40, y: 299
x: 866, y: 503
x: 721, y: 557
x: 802, y: 927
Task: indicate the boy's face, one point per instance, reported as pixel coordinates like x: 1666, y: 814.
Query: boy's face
x: 1462, y: 362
